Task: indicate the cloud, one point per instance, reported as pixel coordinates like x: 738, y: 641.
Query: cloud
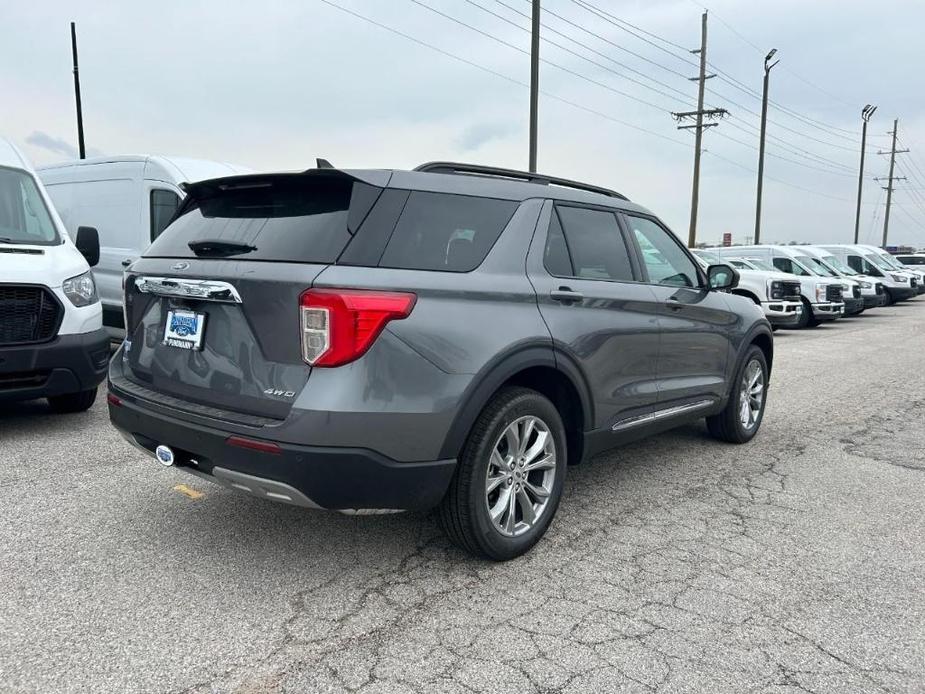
x: 52, y: 144
x: 57, y: 145
x: 477, y: 135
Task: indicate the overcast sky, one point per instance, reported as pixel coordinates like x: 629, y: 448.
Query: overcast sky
x: 299, y: 79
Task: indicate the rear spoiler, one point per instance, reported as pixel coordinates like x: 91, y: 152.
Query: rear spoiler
x: 215, y: 186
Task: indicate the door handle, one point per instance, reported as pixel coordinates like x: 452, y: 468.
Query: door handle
x: 566, y: 295
x: 674, y: 304
x: 127, y: 262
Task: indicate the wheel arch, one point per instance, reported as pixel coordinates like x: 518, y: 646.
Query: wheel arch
x: 748, y: 294
x: 540, y: 368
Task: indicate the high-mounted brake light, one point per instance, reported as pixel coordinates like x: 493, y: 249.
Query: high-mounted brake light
x: 339, y: 325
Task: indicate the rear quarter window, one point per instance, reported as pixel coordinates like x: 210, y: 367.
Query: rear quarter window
x: 450, y: 233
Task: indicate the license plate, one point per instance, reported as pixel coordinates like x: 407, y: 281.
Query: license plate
x: 184, y: 329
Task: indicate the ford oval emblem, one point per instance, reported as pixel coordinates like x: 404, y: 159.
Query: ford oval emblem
x: 180, y: 266
x: 164, y: 455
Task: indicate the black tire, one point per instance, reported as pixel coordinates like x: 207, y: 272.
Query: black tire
x: 890, y: 300
x: 464, y: 512
x: 73, y: 402
x: 805, y: 316
x: 727, y: 425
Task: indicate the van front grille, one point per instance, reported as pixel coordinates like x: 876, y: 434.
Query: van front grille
x: 833, y: 293
x: 27, y: 314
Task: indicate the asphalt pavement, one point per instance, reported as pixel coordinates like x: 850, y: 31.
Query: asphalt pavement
x: 795, y: 563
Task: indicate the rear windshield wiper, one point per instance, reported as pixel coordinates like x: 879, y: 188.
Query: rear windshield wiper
x: 218, y: 248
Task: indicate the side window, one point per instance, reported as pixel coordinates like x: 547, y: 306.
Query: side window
x: 665, y: 260
x: 452, y: 233
x: 784, y: 265
x: 854, y: 262
x: 592, y: 241
x: 163, y: 205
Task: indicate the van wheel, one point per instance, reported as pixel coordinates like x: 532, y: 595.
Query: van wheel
x: 806, y: 318
x: 73, y: 402
x: 509, y: 477
x: 742, y: 416
x: 890, y: 300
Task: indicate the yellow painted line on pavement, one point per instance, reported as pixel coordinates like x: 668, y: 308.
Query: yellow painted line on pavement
x: 188, y: 491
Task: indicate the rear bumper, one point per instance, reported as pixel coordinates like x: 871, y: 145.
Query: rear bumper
x: 68, y: 364
x: 346, y: 479
x: 782, y: 312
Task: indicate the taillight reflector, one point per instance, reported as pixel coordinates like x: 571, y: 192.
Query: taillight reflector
x: 113, y: 400
x: 339, y: 325
x: 254, y: 445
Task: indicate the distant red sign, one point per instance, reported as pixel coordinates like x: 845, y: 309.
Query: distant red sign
x: 727, y: 239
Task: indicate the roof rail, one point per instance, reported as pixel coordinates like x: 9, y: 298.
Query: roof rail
x: 448, y: 167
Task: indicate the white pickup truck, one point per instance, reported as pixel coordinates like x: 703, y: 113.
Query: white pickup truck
x: 776, y: 292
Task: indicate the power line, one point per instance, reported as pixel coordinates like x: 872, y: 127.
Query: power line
x: 762, y: 51
x: 569, y: 71
x: 680, y: 94
x: 507, y: 78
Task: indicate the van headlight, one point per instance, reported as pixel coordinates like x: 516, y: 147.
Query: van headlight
x: 899, y: 278
x: 821, y: 290
x: 865, y: 285
x: 81, y: 290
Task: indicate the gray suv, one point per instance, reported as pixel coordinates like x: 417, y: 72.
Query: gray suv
x: 452, y: 337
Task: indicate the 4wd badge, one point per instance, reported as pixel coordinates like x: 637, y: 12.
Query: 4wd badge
x: 279, y: 393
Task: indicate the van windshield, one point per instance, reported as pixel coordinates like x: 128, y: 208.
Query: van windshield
x: 24, y: 217
x: 832, y: 261
x: 878, y: 261
x: 816, y: 266
x: 759, y: 264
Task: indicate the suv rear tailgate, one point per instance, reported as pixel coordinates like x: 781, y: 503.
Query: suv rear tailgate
x: 249, y: 358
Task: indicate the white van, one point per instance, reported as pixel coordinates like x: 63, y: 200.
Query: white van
x: 897, y: 284
x: 52, y: 342
x: 917, y: 274
x: 777, y: 293
x: 868, y: 290
x: 129, y: 200
x: 821, y: 296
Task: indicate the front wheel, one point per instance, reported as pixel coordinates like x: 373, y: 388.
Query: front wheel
x: 509, y: 477
x: 73, y: 402
x: 742, y: 416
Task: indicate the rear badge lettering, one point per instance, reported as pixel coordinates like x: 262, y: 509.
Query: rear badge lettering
x: 279, y: 393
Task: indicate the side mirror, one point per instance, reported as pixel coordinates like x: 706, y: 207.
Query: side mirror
x: 88, y: 243
x: 722, y: 277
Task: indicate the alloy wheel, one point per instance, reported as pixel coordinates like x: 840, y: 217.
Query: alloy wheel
x: 751, y: 394
x: 520, y: 476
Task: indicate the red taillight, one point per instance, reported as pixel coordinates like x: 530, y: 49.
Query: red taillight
x: 339, y: 325
x: 254, y: 445
x: 113, y: 400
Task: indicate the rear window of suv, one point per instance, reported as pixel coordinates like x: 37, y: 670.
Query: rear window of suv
x: 450, y: 233
x: 284, y: 220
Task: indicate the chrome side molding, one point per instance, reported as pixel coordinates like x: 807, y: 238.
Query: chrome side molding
x: 204, y: 290
x: 638, y: 420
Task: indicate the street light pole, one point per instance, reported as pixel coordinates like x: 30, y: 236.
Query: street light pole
x: 534, y: 82
x: 764, y: 122
x: 866, y: 113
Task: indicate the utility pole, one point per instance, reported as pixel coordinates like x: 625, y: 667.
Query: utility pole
x: 764, y: 125
x: 534, y: 82
x: 866, y: 113
x: 889, y: 186
x: 698, y: 127
x: 80, y: 115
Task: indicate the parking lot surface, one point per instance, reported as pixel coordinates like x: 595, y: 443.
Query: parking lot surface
x: 794, y: 563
